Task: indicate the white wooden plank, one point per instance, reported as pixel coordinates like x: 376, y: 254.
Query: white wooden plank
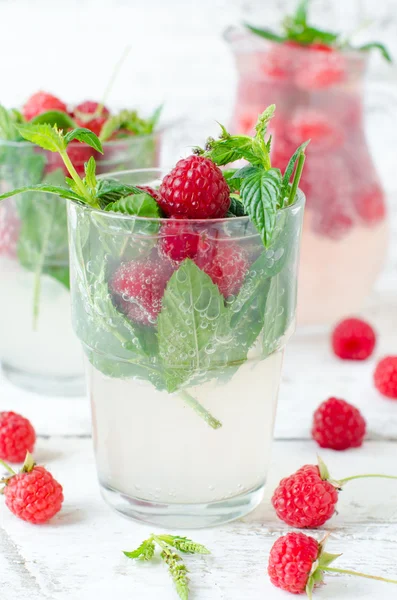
x: 79, y: 555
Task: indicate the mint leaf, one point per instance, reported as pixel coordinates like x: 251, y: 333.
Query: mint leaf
x: 236, y: 208
x: 144, y: 552
x: 376, y: 46
x: 48, y: 189
x: 178, y: 572
x: 290, y: 168
x: 141, y: 205
x: 90, y: 177
x: 301, y: 12
x: 280, y: 308
x: 111, y: 190
x: 54, y: 117
x: 192, y: 310
x: 130, y: 121
x: 184, y: 544
x: 45, y: 136
x: 260, y: 193
x: 82, y: 134
x: 8, y: 121
x: 265, y: 33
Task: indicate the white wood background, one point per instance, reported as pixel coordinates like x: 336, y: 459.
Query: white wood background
x: 179, y: 57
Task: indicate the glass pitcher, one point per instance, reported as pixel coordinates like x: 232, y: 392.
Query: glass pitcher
x: 319, y: 95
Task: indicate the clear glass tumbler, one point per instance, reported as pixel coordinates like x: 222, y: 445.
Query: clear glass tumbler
x: 184, y: 358
x: 320, y: 95
x: 38, y: 349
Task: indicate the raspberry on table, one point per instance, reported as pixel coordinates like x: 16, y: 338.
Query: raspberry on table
x: 353, y: 339
x: 385, y: 377
x: 82, y: 114
x: 338, y: 425
x: 291, y: 561
x: 178, y: 240
x: 195, y: 189
x: 225, y: 261
x: 304, y: 499
x: 42, y: 102
x: 138, y: 287
x: 33, y: 494
x: 17, y: 437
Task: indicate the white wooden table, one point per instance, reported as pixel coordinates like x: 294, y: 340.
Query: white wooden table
x: 78, y: 556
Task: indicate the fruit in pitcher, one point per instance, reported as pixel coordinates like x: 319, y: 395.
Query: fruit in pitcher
x: 92, y: 115
x: 195, y: 189
x: 178, y: 240
x: 225, y: 262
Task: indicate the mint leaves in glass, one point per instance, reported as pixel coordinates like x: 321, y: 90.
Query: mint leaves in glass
x: 183, y: 321
x: 34, y: 259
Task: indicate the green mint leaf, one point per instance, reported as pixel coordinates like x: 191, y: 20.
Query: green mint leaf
x: 45, y: 136
x: 290, y: 168
x: 48, y: 189
x: 232, y: 181
x: 141, y: 205
x: 260, y: 193
x: 8, y: 121
x: 184, y: 544
x: 301, y: 12
x: 178, y: 572
x: 111, y: 190
x: 376, y: 46
x: 90, y: 171
x: 82, y: 134
x: 279, y: 311
x: 236, y: 207
x: 309, y: 35
x: 263, y: 122
x: 265, y: 33
x: 130, y: 121
x: 54, y: 117
x: 144, y: 552
x: 190, y: 300
x: 61, y: 274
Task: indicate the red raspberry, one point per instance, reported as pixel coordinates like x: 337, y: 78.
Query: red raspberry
x: 151, y: 191
x: 304, y: 499
x: 314, y: 125
x: 195, y: 189
x: 279, y: 62
x: 17, y: 437
x: 370, y: 205
x: 338, y: 425
x: 225, y: 262
x: 291, y: 561
x: 353, y: 339
x: 178, y: 240
x: 320, y: 67
x: 385, y: 377
x: 138, y: 288
x: 82, y: 114
x: 42, y: 102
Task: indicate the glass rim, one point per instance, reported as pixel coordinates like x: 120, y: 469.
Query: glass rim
x: 242, y: 33
x: 299, y: 203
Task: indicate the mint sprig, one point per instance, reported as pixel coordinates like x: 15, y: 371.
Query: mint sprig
x: 263, y: 191
x: 176, y: 567
x: 295, y: 28
x: 130, y: 121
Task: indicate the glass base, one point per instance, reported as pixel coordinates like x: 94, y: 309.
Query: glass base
x: 48, y: 386
x: 183, y: 516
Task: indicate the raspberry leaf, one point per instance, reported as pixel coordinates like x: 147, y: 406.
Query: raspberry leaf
x: 44, y: 136
x: 260, y: 193
x: 54, y: 117
x: 82, y: 134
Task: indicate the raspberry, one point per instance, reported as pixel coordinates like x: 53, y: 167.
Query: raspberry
x: 33, y: 494
x: 195, y: 189
x: 338, y: 425
x: 353, y: 339
x: 304, y: 499
x: 225, y: 262
x: 17, y: 437
x: 291, y: 560
x: 138, y: 287
x: 82, y: 114
x: 151, y: 191
x: 315, y: 125
x: 178, y: 240
x: 279, y: 62
x: 385, y: 377
x: 370, y: 205
x: 42, y: 102
x: 320, y: 67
